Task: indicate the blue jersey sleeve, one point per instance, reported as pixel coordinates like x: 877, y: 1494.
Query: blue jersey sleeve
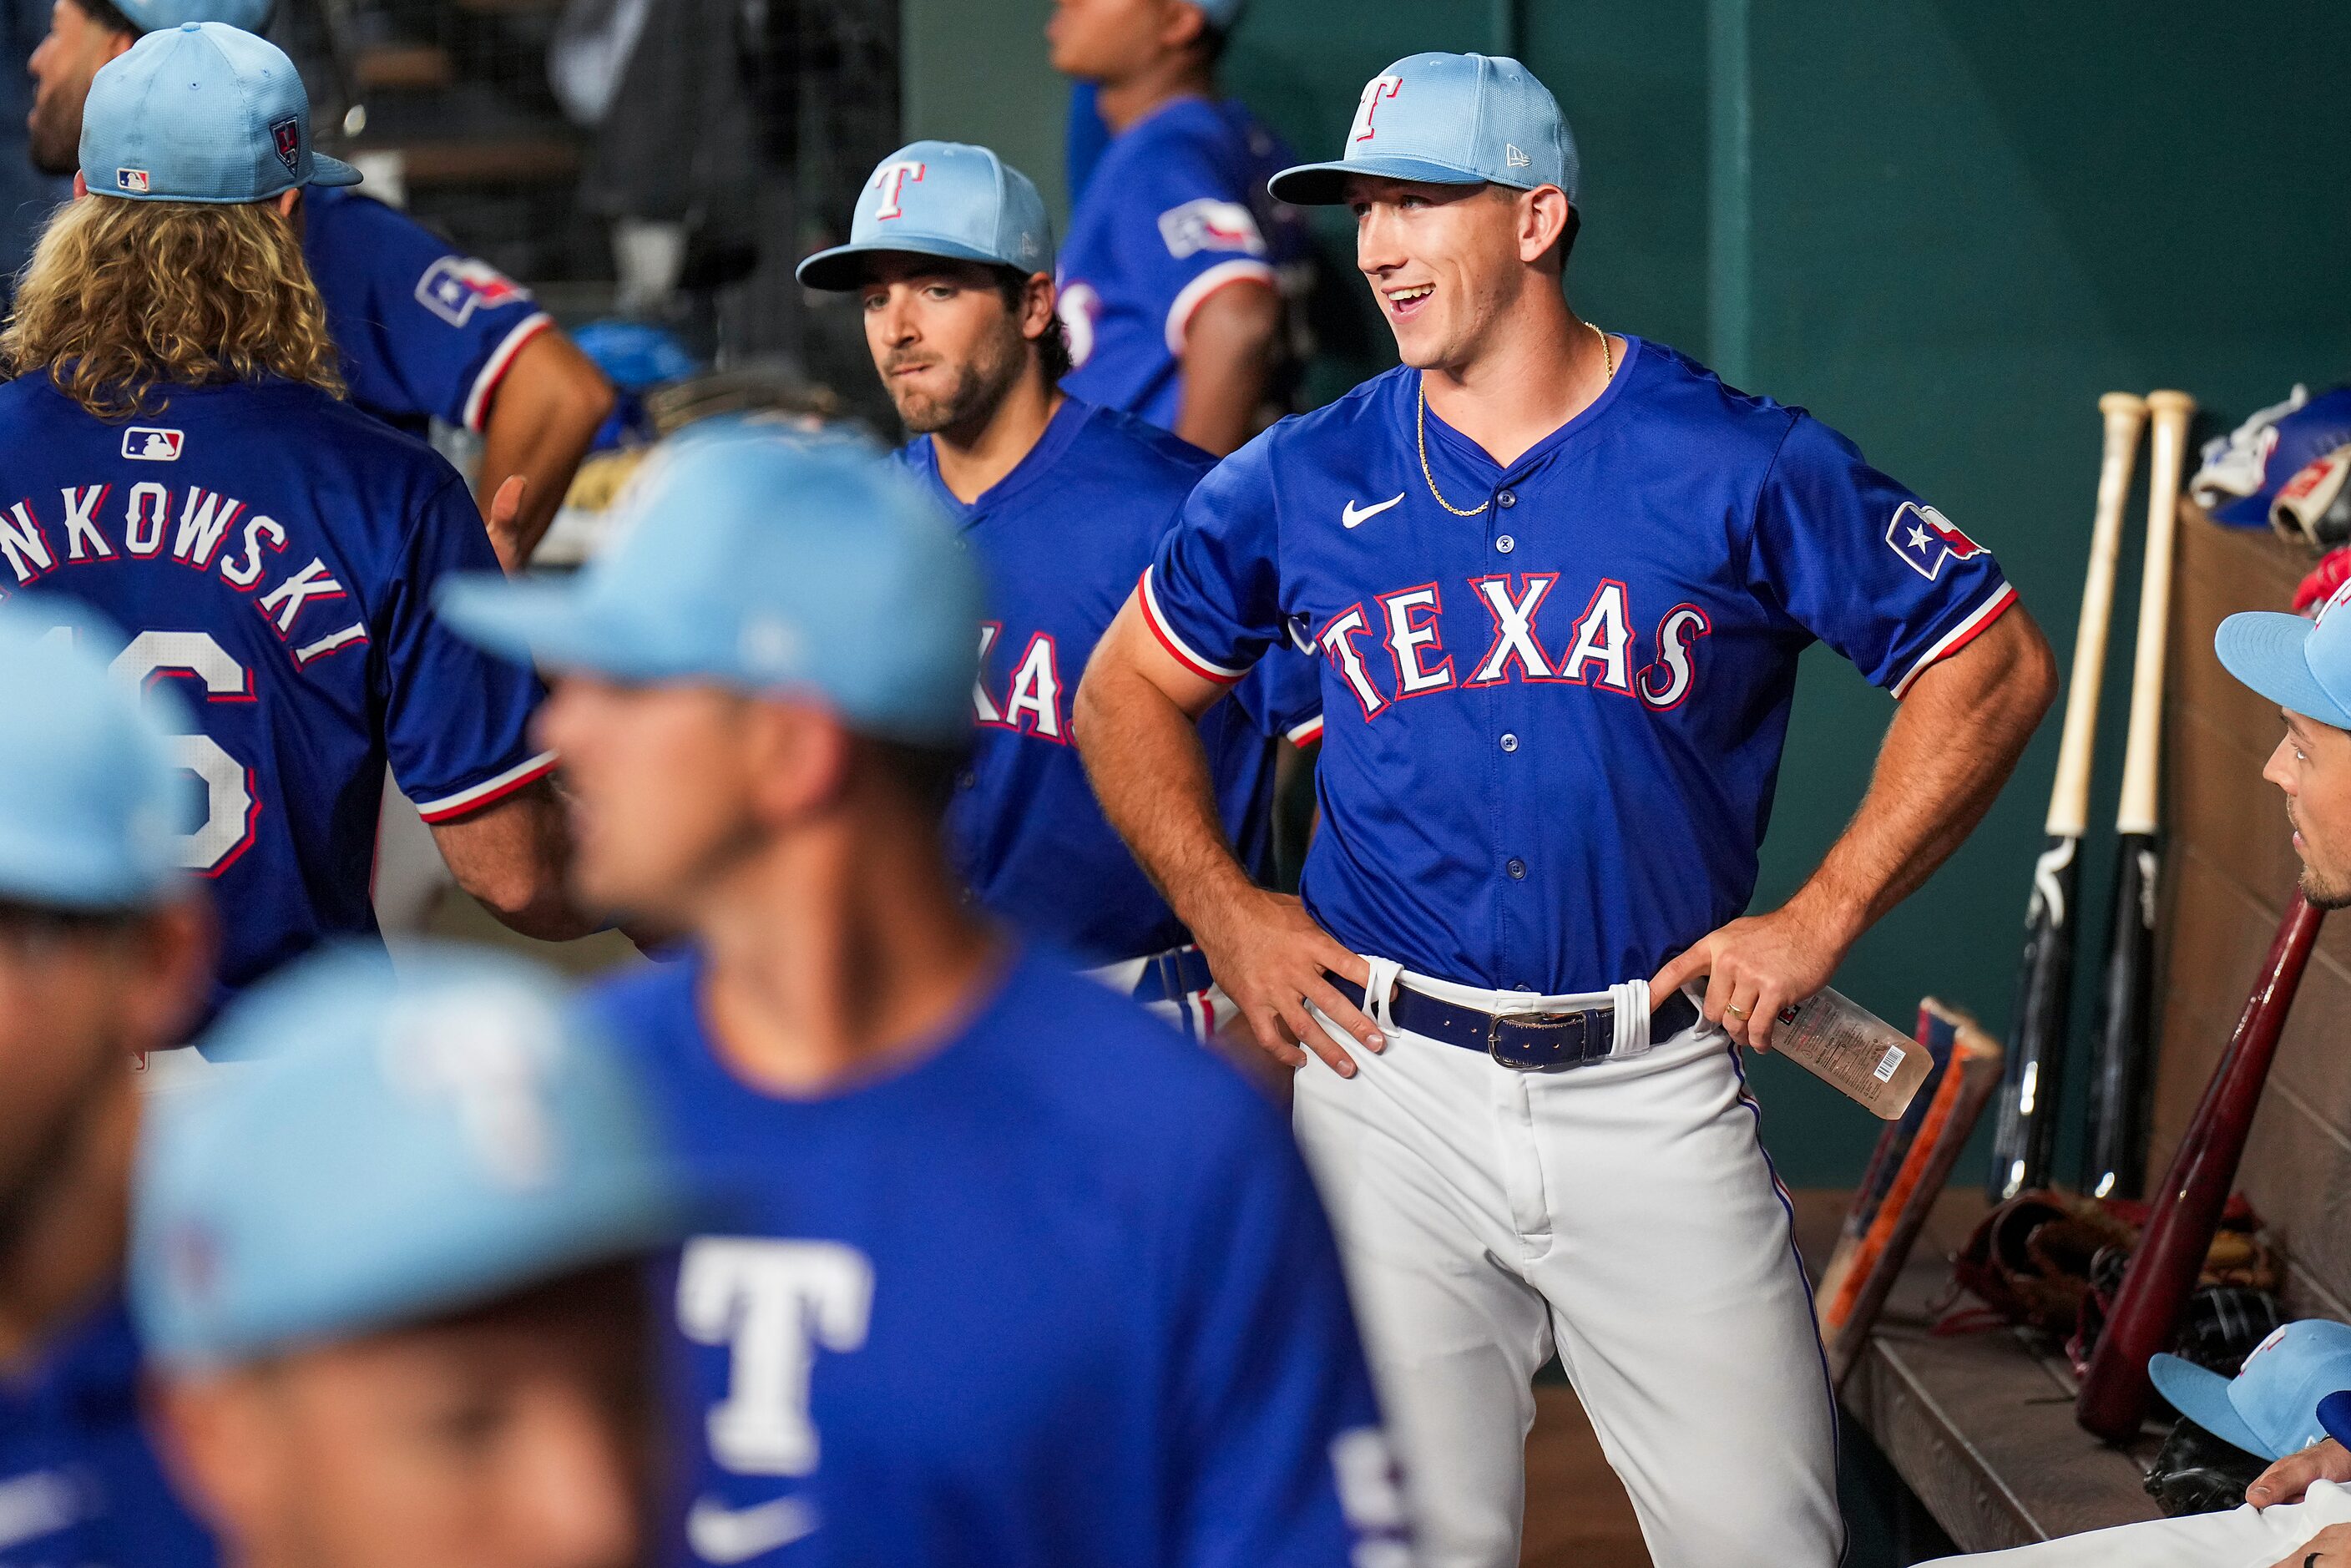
x: 424, y: 331
x: 1281, y: 1462
x: 1864, y: 564
x: 1193, y: 230
x: 1212, y: 595
x: 457, y: 720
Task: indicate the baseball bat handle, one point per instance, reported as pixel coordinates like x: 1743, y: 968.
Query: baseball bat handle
x: 2069, y: 798
x: 2187, y: 1210
x: 2170, y: 413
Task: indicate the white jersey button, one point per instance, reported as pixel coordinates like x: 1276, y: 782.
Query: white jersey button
x: 1509, y: 743
x: 1507, y: 500
x: 1518, y: 869
x: 1506, y: 544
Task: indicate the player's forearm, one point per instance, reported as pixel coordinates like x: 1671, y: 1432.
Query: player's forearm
x: 1227, y: 356
x: 1143, y: 754
x: 513, y: 857
x: 541, y: 423
x: 1953, y: 746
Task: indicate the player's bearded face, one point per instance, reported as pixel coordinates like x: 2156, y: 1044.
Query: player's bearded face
x: 62, y: 67
x: 2312, y: 766
x: 946, y: 346
x: 517, y: 1437
x: 659, y: 788
x: 1442, y: 263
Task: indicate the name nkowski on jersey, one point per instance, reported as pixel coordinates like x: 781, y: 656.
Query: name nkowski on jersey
x: 210, y: 535
x: 1597, y: 649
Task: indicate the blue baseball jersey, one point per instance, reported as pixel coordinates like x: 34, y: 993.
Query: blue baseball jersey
x: 1062, y: 539
x: 1175, y: 209
x: 426, y: 333
x: 1061, y: 1292
x: 79, y: 1486
x: 1553, y: 728
x: 273, y: 553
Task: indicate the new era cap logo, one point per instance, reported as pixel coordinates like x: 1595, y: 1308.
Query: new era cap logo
x: 148, y: 444
x: 130, y: 180
x: 1514, y: 158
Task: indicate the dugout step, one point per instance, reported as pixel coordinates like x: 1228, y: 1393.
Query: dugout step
x: 1980, y: 1426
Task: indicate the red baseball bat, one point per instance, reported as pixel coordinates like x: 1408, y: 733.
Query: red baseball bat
x: 2187, y: 1210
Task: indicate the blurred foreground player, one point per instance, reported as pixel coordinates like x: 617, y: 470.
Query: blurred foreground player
x: 177, y: 453
x: 1172, y: 280
x: 423, y: 332
x: 1064, y: 503
x: 105, y: 953
x: 389, y: 1269
x: 1021, y: 1277
x: 1562, y: 580
x: 2298, y: 1513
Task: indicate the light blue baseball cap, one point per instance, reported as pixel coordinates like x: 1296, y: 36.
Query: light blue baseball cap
x: 385, y: 1150
x: 202, y: 112
x: 940, y: 198
x: 154, y: 15
x: 2301, y: 666
x: 1446, y: 120
x: 88, y: 792
x: 766, y: 561
x: 2270, y: 1407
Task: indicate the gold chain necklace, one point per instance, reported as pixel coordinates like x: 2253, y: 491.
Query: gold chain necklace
x: 1608, y: 358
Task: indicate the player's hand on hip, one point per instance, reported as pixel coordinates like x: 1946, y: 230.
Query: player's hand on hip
x: 2286, y: 1481
x: 2330, y: 1548
x: 1272, y: 960
x: 1754, y: 966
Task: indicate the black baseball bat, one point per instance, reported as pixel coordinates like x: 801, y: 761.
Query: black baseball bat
x: 2036, y: 1035
x: 2114, y: 1156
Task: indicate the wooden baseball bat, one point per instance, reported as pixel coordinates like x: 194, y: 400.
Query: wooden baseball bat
x: 2186, y: 1209
x: 2113, y: 1156
x: 2036, y: 1033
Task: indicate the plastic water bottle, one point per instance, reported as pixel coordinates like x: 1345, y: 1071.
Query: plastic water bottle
x: 1852, y: 1049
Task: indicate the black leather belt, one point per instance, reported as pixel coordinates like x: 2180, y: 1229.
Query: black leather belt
x: 1531, y: 1043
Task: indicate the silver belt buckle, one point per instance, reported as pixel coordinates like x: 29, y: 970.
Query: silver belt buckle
x: 1518, y: 1059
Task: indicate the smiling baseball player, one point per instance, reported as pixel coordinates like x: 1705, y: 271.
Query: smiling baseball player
x: 1064, y: 502
x: 1560, y: 579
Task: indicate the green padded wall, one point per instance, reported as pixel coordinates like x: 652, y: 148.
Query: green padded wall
x: 1944, y: 225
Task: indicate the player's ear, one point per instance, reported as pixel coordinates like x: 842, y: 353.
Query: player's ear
x: 176, y: 947
x: 287, y: 201
x: 1544, y: 220
x: 81, y: 186
x: 1183, y: 24
x: 1037, y: 305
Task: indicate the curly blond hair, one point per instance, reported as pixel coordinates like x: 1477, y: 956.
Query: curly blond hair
x: 122, y: 298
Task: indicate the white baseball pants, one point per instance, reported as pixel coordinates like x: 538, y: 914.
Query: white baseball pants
x: 2238, y: 1538
x: 1623, y: 1212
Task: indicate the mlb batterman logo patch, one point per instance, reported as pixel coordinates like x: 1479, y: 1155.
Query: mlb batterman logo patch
x: 132, y: 180
x: 287, y: 134
x: 150, y: 444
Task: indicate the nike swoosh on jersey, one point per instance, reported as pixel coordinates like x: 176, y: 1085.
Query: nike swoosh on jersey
x: 721, y: 1534
x: 1351, y: 514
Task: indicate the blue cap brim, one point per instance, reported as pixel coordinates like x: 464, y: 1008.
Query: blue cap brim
x: 1325, y: 184
x: 550, y: 624
x: 841, y: 268
x: 2267, y: 651
x: 2202, y: 1395
x: 326, y: 171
